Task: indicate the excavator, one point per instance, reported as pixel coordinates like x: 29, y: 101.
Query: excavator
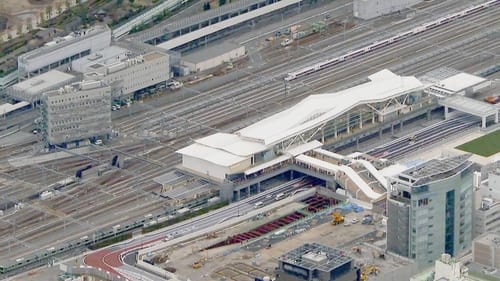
x: 337, y: 218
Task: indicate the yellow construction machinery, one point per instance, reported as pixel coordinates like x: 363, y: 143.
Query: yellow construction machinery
x: 197, y: 264
x: 367, y: 270
x: 356, y: 250
x: 337, y: 218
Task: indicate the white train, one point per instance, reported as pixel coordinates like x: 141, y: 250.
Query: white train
x: 379, y: 44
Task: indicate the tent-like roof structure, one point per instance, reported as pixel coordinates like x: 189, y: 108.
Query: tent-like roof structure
x: 317, y: 109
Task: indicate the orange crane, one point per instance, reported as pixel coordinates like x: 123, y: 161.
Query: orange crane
x: 337, y: 218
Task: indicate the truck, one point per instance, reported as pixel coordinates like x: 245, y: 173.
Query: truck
x: 492, y: 99
x: 174, y: 85
x: 286, y: 42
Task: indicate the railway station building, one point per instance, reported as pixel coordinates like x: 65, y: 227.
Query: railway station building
x: 294, y: 137
x: 77, y: 113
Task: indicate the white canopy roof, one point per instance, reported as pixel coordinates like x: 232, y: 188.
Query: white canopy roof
x: 460, y: 81
x: 232, y: 144
x: 317, y: 109
x: 213, y: 155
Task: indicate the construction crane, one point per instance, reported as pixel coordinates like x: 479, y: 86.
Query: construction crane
x: 367, y: 270
x: 337, y: 218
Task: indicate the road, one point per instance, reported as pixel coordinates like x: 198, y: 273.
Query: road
x: 103, y: 201
x: 109, y: 259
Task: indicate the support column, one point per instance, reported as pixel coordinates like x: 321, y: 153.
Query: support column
x: 483, y: 123
x: 496, y: 117
x: 428, y: 115
x: 357, y: 143
x: 258, y: 187
x: 335, y: 129
x: 380, y: 133
x: 373, y: 118
x: 401, y: 125
x: 348, y: 119
x: 446, y: 113
x: 392, y: 129
x: 360, y: 120
x: 323, y: 135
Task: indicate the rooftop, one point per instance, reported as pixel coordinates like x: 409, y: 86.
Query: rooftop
x: 212, y: 51
x: 435, y: 169
x: 318, y: 109
x: 460, y: 81
x: 492, y: 239
x: 64, y: 41
x: 210, y: 154
x: 316, y: 256
x: 153, y: 56
x: 105, y: 56
x: 44, y: 82
x: 469, y: 105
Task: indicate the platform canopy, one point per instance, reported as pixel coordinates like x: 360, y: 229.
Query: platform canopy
x: 315, y: 110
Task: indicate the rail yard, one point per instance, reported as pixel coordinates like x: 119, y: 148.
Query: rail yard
x: 55, y: 205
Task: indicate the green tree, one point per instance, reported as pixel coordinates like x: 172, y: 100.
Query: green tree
x: 119, y: 2
x: 131, y: 1
x: 59, y: 8
x: 222, y: 2
x: 67, y: 4
x: 48, y: 11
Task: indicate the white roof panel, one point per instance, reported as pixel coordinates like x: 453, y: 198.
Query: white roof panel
x: 44, y: 81
x: 232, y: 144
x: 317, y: 109
x: 304, y: 148
x: 460, y: 81
x: 213, y: 155
x: 181, y: 40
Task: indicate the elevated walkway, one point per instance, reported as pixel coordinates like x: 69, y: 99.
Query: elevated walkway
x: 470, y: 106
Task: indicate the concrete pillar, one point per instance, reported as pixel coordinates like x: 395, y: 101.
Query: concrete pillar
x: 373, y: 118
x: 258, y: 187
x: 335, y: 129
x: 360, y: 120
x: 392, y: 129
x: 323, y: 135
x: 380, y: 133
x: 483, y: 123
x: 428, y: 115
x: 496, y: 117
x: 357, y: 143
x: 348, y: 119
x: 401, y: 125
x: 446, y: 113
x: 291, y: 174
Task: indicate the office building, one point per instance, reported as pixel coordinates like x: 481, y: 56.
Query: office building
x: 62, y: 51
x: 77, y: 112
x: 31, y: 90
x: 486, y: 250
x: 429, y: 210
x: 315, y: 262
x: 487, y: 201
x: 128, y: 76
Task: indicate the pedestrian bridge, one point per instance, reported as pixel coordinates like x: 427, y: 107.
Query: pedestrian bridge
x: 470, y: 106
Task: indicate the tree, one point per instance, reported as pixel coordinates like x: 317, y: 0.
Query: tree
x: 222, y: 2
x: 119, y: 2
x: 206, y: 6
x: 29, y: 23
x: 48, y: 11
x: 131, y: 1
x: 19, y: 29
x: 41, y: 18
x: 58, y: 8
x: 67, y: 4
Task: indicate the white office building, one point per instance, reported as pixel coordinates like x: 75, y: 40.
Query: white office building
x: 130, y: 75
x: 77, y: 112
x: 487, y: 202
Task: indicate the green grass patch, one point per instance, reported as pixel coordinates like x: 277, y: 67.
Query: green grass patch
x: 183, y: 217
x: 112, y: 240
x: 486, y: 145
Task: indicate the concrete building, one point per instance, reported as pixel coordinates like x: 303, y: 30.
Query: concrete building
x: 487, y: 202
x: 486, y: 250
x: 104, y: 56
x: 369, y: 9
x: 63, y: 50
x: 429, y: 210
x: 31, y: 90
x: 315, y: 262
x: 77, y: 112
x: 128, y: 76
x: 212, y: 56
x: 449, y: 269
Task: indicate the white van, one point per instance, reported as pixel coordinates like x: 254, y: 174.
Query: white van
x: 280, y: 196
x: 258, y: 205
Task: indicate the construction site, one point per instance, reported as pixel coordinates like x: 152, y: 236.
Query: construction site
x: 251, y: 250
